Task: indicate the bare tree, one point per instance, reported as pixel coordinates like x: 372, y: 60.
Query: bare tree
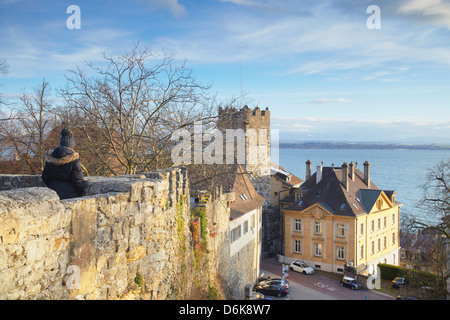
x: 132, y: 104
x: 436, y: 200
x: 3, y: 67
x: 3, y: 71
x: 26, y: 133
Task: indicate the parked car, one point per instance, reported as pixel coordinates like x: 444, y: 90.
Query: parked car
x: 276, y: 281
x: 399, y: 282
x: 302, y: 267
x: 406, y: 298
x: 350, y: 283
x: 271, y: 289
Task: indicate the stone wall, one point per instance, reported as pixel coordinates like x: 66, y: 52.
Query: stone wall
x: 216, y: 265
x: 128, y: 237
x: 237, y: 270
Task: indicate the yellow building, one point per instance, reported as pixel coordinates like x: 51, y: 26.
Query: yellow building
x: 342, y: 217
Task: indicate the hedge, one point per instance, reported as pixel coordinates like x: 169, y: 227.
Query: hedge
x: 389, y: 272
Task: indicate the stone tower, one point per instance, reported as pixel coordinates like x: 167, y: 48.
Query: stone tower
x: 255, y: 125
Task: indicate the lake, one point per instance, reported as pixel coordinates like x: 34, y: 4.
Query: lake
x: 401, y: 170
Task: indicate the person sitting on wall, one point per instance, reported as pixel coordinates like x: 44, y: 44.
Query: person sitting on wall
x: 62, y: 171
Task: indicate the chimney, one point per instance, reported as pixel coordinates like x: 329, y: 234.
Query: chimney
x: 308, y: 169
x: 318, y: 174
x: 345, y: 175
x: 352, y: 171
x: 366, y: 173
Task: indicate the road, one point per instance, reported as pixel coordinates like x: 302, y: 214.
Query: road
x: 318, y: 286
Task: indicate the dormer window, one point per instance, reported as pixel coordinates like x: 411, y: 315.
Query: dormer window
x: 243, y: 197
x: 380, y: 204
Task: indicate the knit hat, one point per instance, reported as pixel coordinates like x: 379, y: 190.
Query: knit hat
x: 67, y: 139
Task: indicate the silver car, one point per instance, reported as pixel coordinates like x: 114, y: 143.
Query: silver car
x: 302, y: 267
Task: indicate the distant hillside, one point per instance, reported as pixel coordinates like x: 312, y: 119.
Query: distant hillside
x: 363, y: 146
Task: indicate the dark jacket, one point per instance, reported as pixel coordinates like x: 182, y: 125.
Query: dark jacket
x: 62, y: 172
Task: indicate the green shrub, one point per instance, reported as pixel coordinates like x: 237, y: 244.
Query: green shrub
x: 389, y: 271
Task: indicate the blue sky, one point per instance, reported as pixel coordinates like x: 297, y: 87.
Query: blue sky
x: 317, y: 66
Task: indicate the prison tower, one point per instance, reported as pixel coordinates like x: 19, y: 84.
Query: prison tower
x: 258, y: 167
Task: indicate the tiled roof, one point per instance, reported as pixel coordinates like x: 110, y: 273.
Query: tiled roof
x: 228, y: 177
x: 246, y: 197
x: 331, y: 193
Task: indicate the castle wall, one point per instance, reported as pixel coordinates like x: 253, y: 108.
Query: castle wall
x: 237, y: 267
x: 127, y: 238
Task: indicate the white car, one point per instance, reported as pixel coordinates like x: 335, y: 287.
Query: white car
x: 300, y: 266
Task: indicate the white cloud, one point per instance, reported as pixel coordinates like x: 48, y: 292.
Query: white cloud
x: 315, y: 128
x: 173, y: 6
x: 325, y: 101
x: 242, y: 2
x: 434, y: 11
x: 29, y: 54
x: 274, y: 7
x: 7, y: 2
x: 325, y: 42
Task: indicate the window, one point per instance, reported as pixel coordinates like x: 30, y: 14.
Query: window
x: 373, y: 225
x: 318, y: 227
x: 297, y: 246
x: 379, y: 224
x: 276, y: 193
x: 362, y: 229
x: 384, y: 243
x: 243, y: 197
x: 298, y: 196
x: 318, y: 249
x: 340, y: 230
x: 340, y: 252
x: 380, y: 204
x: 379, y: 245
x: 253, y: 221
x: 233, y: 235
x: 384, y: 222
x: 245, y: 227
x: 393, y: 218
x: 362, y: 252
x: 297, y: 225
x: 393, y: 238
x: 373, y: 247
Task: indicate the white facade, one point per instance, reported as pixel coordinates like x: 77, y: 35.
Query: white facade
x: 246, y: 230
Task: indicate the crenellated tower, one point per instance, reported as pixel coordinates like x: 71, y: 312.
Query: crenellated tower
x: 255, y: 125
